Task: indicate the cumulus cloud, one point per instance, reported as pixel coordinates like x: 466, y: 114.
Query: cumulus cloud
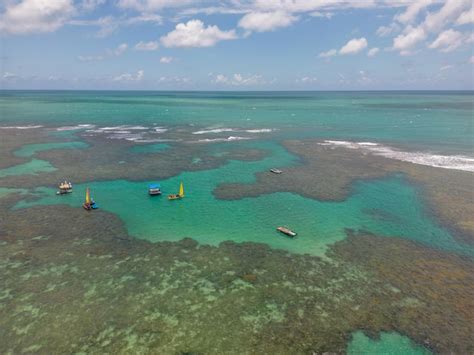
x: 307, y: 80
x: 373, y: 52
x: 89, y: 5
x: 466, y: 18
x: 119, y: 50
x: 384, y: 31
x: 195, y: 34
x: 354, y: 46
x: 33, y: 16
x: 174, y: 80
x: 266, y: 21
x: 128, y: 77
x: 434, y: 22
x: 412, y: 11
x: 166, y: 60
x: 448, y: 41
x: 147, y: 46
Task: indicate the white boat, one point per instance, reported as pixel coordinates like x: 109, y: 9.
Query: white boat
x: 276, y: 171
x: 287, y: 231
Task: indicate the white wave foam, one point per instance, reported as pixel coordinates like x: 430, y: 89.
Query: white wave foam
x: 160, y: 129
x: 261, y: 130
x: 21, y: 127
x: 228, y: 139
x: 122, y: 127
x: 456, y: 162
x: 214, y: 130
x: 73, y: 128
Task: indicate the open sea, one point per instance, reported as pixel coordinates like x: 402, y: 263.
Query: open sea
x: 433, y: 129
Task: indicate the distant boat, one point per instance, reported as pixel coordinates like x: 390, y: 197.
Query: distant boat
x: 89, y: 203
x: 287, y: 231
x: 154, y: 189
x: 179, y: 195
x: 276, y: 171
x: 64, y: 188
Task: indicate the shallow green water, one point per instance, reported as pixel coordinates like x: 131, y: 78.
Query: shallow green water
x: 387, y: 207
x: 35, y: 166
x: 31, y: 149
x: 388, y: 344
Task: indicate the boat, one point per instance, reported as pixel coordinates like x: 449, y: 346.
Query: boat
x: 275, y: 171
x: 179, y: 195
x: 154, y: 189
x: 89, y: 204
x: 64, y: 188
x: 287, y: 231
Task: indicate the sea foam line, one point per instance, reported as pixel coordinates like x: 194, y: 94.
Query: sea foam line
x: 456, y: 162
x: 21, y: 127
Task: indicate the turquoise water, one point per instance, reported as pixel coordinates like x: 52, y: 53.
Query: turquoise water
x: 440, y: 121
x: 31, y: 149
x: 388, y: 344
x: 33, y: 167
x: 387, y: 207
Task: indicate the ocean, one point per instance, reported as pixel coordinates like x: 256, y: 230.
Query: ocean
x: 221, y: 145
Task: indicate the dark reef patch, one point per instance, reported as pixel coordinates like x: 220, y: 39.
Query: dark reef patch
x: 75, y: 282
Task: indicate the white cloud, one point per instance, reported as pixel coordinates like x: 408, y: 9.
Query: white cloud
x: 9, y: 76
x: 412, y: 11
x: 465, y: 18
x: 174, y: 80
x: 329, y: 53
x: 448, y: 41
x: 354, y: 46
x: 127, y: 77
x: 411, y: 37
x: 434, y: 22
x: 373, y: 52
x: 239, y: 80
x: 166, y: 60
x: 266, y: 21
x: 33, y: 16
x: 151, y: 5
x: 327, y: 15
x: 195, y: 34
x: 471, y: 60
x: 147, y: 46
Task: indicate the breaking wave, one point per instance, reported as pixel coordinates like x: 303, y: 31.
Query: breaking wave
x: 456, y: 162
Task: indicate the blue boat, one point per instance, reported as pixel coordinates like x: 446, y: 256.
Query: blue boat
x: 154, y: 189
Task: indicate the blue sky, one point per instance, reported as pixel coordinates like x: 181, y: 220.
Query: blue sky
x: 237, y: 44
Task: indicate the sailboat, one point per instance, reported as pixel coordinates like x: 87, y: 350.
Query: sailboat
x: 179, y: 195
x: 89, y: 204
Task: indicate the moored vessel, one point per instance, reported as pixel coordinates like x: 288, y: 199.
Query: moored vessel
x: 287, y: 231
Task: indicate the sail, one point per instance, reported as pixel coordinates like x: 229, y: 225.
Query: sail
x: 181, y: 190
x: 88, y: 196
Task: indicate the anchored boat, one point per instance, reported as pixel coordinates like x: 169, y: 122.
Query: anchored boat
x: 154, y: 189
x: 287, y: 231
x: 89, y: 203
x: 276, y: 171
x: 179, y: 195
x: 64, y: 188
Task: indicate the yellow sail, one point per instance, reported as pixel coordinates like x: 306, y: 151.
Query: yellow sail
x: 181, y: 190
x: 88, y: 196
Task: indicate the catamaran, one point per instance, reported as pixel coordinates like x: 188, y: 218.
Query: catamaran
x: 64, y: 188
x: 179, y: 195
x: 89, y: 204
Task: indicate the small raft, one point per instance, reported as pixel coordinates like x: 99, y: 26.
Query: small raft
x: 287, y: 232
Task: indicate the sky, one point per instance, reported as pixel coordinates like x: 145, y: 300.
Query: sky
x: 237, y: 44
